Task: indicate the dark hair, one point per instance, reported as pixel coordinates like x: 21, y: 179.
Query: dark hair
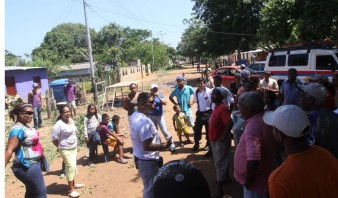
x: 253, y: 101
x: 200, y: 79
x: 271, y: 94
x: 88, y: 111
x: 104, y: 116
x: 61, y: 111
x: 131, y: 84
x: 143, y: 97
x: 218, y: 77
x: 115, y: 118
x: 17, y: 109
x: 175, y: 107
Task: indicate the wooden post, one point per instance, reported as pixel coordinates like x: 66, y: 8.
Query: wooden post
x: 48, y: 104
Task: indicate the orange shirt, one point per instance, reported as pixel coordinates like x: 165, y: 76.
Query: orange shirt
x: 311, y: 173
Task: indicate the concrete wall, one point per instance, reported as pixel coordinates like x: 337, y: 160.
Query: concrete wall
x: 134, y: 72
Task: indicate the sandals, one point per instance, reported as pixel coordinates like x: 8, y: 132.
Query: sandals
x: 74, y: 194
x: 122, y: 161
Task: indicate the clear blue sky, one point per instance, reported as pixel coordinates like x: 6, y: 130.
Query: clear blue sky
x: 27, y: 22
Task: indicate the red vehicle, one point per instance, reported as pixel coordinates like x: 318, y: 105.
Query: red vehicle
x: 228, y: 74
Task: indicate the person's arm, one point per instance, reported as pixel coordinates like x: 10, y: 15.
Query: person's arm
x: 149, y: 146
x: 40, y: 95
x: 30, y: 97
x: 174, y: 124
x: 85, y: 129
x: 12, y: 145
x: 162, y: 100
x: 251, y: 172
x: 126, y: 102
x: 64, y: 91
x: 211, y: 80
x: 172, y: 100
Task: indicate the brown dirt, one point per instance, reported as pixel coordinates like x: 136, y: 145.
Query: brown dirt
x: 121, y: 180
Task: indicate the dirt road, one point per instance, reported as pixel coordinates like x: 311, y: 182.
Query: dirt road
x: 121, y: 180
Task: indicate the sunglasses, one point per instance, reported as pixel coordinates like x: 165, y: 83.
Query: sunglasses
x: 151, y: 102
x: 27, y: 112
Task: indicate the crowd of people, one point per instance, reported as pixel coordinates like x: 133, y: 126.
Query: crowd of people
x: 285, y: 138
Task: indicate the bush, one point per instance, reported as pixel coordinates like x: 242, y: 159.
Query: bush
x: 81, y: 141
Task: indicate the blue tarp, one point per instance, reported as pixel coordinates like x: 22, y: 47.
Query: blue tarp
x: 57, y: 86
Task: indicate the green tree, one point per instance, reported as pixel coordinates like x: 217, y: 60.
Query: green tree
x: 301, y: 20
x: 66, y: 43
x: 231, y: 24
x: 11, y: 59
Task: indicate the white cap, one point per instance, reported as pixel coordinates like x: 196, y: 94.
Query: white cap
x: 289, y: 119
x: 152, y: 86
x: 35, y: 84
x: 315, y: 90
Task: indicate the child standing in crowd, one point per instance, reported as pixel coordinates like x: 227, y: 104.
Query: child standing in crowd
x: 113, y: 126
x: 180, y: 125
x: 109, y: 138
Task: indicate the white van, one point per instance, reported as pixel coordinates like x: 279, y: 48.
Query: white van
x: 307, y: 61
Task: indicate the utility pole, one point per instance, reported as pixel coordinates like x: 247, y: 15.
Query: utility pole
x: 152, y: 48
x: 92, y: 73
x: 161, y: 33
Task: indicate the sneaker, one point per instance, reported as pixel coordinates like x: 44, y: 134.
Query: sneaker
x: 208, y: 154
x: 122, y: 161
x: 74, y: 194
x: 62, y: 175
x: 195, y: 147
x: 206, y: 148
x: 91, y: 164
x: 78, y: 186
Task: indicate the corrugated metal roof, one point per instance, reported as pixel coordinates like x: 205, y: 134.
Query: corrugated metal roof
x: 76, y: 66
x: 8, y: 68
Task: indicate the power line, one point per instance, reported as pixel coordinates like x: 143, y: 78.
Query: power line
x: 236, y: 34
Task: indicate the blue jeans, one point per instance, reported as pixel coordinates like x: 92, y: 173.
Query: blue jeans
x: 252, y: 194
x: 37, y: 116
x: 32, y: 178
x: 159, y: 122
x: 147, y: 170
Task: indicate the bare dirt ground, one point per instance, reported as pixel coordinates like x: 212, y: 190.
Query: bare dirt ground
x: 121, y: 180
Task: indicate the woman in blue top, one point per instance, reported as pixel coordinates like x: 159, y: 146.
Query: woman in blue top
x: 24, y: 141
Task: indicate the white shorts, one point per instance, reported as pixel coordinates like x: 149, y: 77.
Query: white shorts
x: 71, y: 104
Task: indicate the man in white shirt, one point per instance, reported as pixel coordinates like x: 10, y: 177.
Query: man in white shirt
x: 202, y: 97
x: 268, y: 83
x: 146, y: 142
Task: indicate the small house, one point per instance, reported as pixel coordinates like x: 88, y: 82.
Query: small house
x: 19, y: 80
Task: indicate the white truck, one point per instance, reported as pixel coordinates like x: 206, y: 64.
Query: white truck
x: 308, y: 61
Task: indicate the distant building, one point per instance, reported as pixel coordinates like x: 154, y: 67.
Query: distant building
x: 19, y: 80
x: 75, y: 71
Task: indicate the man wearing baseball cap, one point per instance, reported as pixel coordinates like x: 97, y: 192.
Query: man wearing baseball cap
x: 324, y: 122
x: 184, y: 98
x: 35, y: 98
x: 157, y: 115
x: 309, y: 171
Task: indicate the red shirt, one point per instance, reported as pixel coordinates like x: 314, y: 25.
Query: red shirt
x: 220, y: 116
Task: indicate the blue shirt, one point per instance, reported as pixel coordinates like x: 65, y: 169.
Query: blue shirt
x: 291, y: 92
x: 183, y: 96
x: 158, y: 111
x: 112, y: 127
